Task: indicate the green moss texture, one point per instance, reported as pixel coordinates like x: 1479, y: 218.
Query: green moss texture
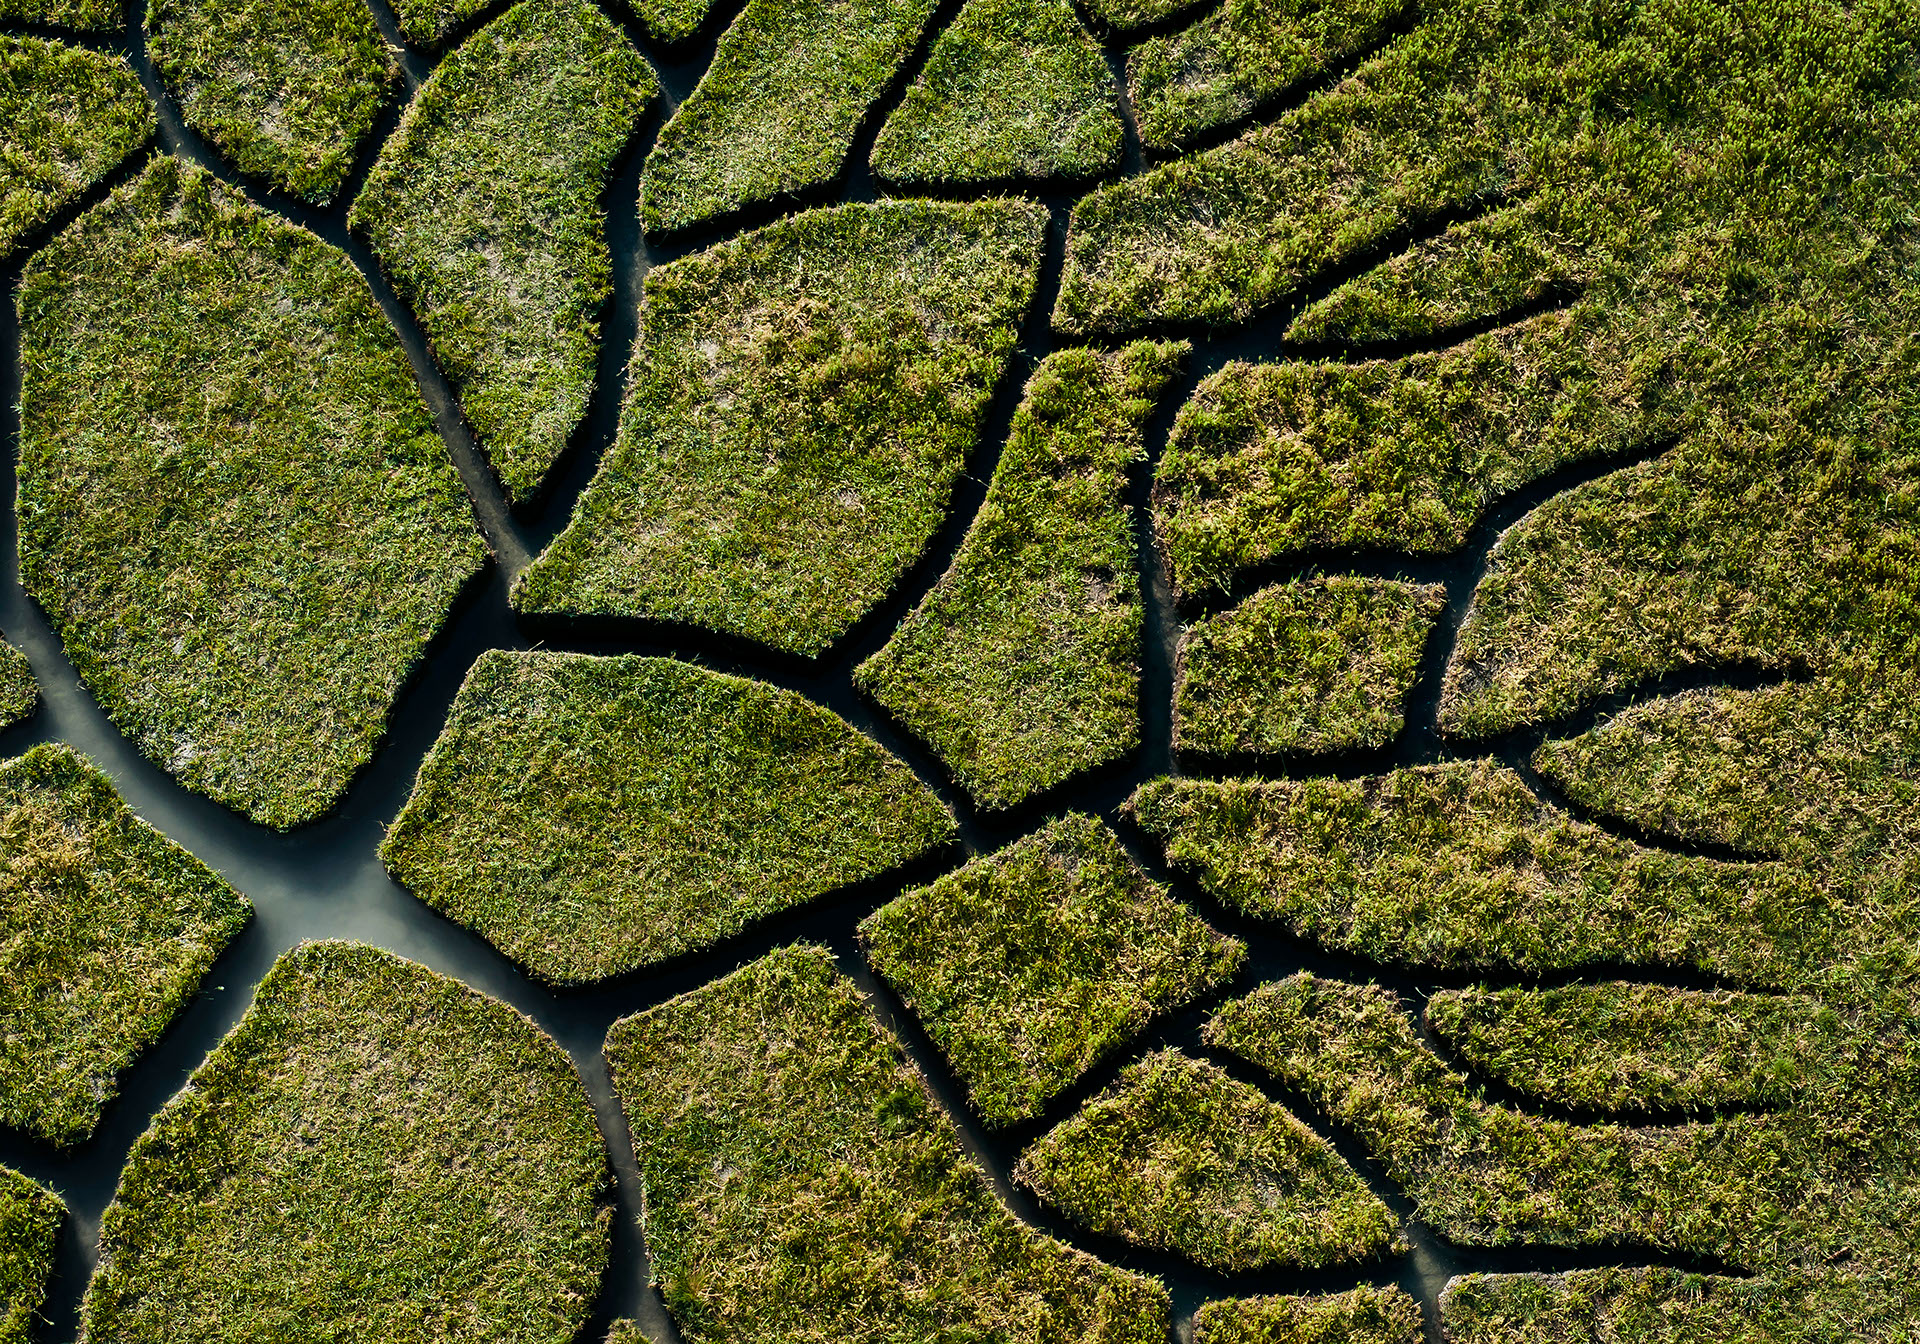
x: 1658, y: 1306
x: 87, y: 16
x: 431, y: 24
x: 19, y: 692
x: 672, y: 21
x: 30, y: 1220
x: 1361, y: 1316
x: 67, y: 118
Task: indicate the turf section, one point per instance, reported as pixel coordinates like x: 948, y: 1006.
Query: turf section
x: 1460, y: 867
x: 1030, y: 966
x: 89, y: 16
x: 226, y: 471
x: 589, y: 816
x: 1021, y: 667
x: 625, y: 1332
x: 429, y: 23
x: 1633, y: 1306
x: 1178, y: 1156
x: 19, y: 692
x: 1627, y: 1047
x: 672, y: 21
x: 30, y: 1220
x: 375, y: 1152
x: 800, y: 1184
x: 1316, y: 666
x: 1361, y: 1316
x: 778, y: 108
x: 485, y: 210
x: 106, y: 930
x: 1014, y: 90
x: 67, y: 118
x: 800, y: 403
x: 285, y: 89
x: 1122, y: 15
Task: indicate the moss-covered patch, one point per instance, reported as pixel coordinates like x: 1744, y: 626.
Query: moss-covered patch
x: 672, y: 20
x: 67, y: 118
x: 801, y: 401
x: 429, y: 23
x: 374, y: 1152
x: 1634, y: 1306
x: 1178, y: 1156
x: 776, y: 112
x: 589, y: 816
x: 1125, y: 14
x: 1461, y: 867
x: 106, y: 929
x: 1021, y: 666
x: 1014, y: 89
x: 802, y: 1186
x: 233, y: 504
x: 19, y: 692
x: 1026, y: 968
x: 30, y: 1219
x: 626, y: 1332
x: 87, y: 16
x: 1362, y: 1316
x: 485, y: 210
x: 1321, y: 665
x: 286, y: 89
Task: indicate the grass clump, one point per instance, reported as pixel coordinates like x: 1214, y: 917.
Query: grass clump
x: 670, y: 21
x: 1360, y: 1316
x: 1634, y: 1306
x: 1021, y: 667
x: 801, y: 1185
x: 30, y: 1222
x: 286, y: 89
x: 1316, y: 666
x: 225, y: 464
x: 430, y: 23
x: 374, y: 1152
x: 1122, y: 15
x: 1029, y: 967
x: 1178, y: 1156
x: 801, y: 401
x: 778, y: 108
x: 86, y: 16
x: 67, y: 118
x: 589, y: 816
x: 1460, y: 867
x: 19, y: 692
x: 106, y: 930
x: 1014, y: 90
x: 485, y: 210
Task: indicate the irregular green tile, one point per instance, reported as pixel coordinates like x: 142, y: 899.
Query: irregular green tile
x: 30, y: 1221
x: 1359, y: 1316
x: 68, y: 117
x: 19, y: 692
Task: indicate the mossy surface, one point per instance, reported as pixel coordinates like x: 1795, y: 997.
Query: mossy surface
x: 1122, y: 15
x: 1013, y: 90
x: 1315, y: 666
x: 106, y: 931
x: 1028, y: 967
x: 485, y: 209
x: 801, y: 1185
x: 430, y: 23
x: 86, y: 16
x: 1361, y: 1316
x: 1021, y: 667
x: 19, y: 692
x: 589, y: 816
x: 625, y: 1332
x: 1178, y: 1156
x: 67, y: 118
x: 285, y: 89
x: 374, y: 1152
x: 672, y: 20
x: 225, y: 467
x: 778, y: 109
x: 801, y: 401
x: 30, y: 1221
x: 1642, y: 1306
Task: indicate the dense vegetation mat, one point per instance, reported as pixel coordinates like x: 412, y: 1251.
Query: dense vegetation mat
x: 67, y: 118
x: 432, y: 23
x: 801, y: 1185
x: 374, y: 1152
x: 89, y: 16
x: 1663, y: 1305
x: 19, y: 692
x: 30, y: 1221
x: 225, y: 465
x: 106, y: 931
x: 671, y: 21
x: 1362, y: 1316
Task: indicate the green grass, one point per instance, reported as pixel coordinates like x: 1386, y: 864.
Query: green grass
x: 485, y: 210
x: 801, y: 1185
x: 87, y: 16
x: 1459, y: 867
x: 19, y: 692
x: 30, y: 1222
x: 1030, y: 966
x: 233, y: 505
x: 429, y: 23
x: 1126, y: 14
x: 1021, y: 667
x: 589, y: 816
x: 1314, y: 666
x: 778, y: 109
x: 1178, y: 1156
x: 1359, y: 1316
x: 800, y: 403
x: 625, y: 1332
x: 106, y: 930
x: 67, y: 118
x: 672, y: 21
x: 1013, y: 90
x: 1636, y: 1306
x: 285, y: 89
x: 374, y: 1152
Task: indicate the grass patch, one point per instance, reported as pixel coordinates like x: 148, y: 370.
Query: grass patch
x: 778, y: 109
x: 800, y: 403
x: 374, y: 1152
x: 485, y: 210
x: 1360, y: 1316
x: 429, y: 23
x: 86, y: 16
x: 1029, y: 967
x: 225, y: 464
x: 1635, y: 1306
x: 1316, y: 666
x: 1178, y: 1156
x: 19, y: 692
x: 589, y: 816
x: 30, y: 1222
x: 106, y: 931
x: 801, y: 1185
x: 285, y: 89
x: 1460, y: 867
x: 1014, y: 90
x: 1126, y: 14
x: 626, y: 1332
x: 67, y: 119
x: 670, y: 21
x: 1021, y: 667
